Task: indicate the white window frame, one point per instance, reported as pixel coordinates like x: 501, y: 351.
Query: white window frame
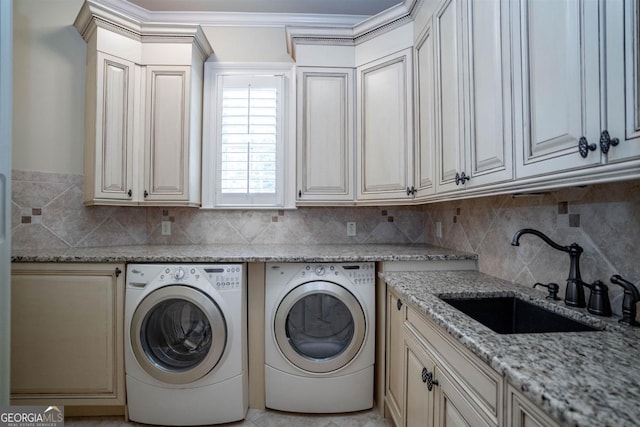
x: 285, y: 193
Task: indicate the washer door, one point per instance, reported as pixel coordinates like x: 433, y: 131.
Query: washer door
x: 319, y: 326
x: 178, y: 334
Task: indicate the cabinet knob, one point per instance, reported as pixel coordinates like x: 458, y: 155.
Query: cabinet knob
x: 146, y: 194
x: 130, y: 193
x: 461, y: 178
x: 398, y: 304
x: 606, y: 142
x: 299, y: 193
x: 411, y: 190
x: 584, y: 147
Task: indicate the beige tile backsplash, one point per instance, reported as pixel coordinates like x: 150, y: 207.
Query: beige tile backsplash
x: 604, y: 219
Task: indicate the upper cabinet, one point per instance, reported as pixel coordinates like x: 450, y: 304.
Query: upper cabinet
x: 576, y: 80
x: 326, y: 135
x: 385, y: 128
x: 622, y: 80
x: 143, y: 123
x: 464, y: 93
x: 556, y: 48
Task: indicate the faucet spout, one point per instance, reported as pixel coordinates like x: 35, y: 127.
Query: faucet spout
x: 574, y: 295
x: 516, y: 239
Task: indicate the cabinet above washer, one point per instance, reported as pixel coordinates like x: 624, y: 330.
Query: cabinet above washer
x: 143, y: 110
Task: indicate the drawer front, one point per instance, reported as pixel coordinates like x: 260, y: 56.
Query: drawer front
x: 483, y: 385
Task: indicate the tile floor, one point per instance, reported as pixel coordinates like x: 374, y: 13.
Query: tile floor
x: 259, y: 418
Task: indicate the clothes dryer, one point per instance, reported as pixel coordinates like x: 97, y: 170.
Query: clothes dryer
x: 319, y: 336
x: 185, y: 343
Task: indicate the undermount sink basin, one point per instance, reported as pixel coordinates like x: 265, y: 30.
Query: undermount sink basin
x: 513, y: 315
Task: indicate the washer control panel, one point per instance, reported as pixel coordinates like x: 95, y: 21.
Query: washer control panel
x: 224, y: 276
x: 361, y: 273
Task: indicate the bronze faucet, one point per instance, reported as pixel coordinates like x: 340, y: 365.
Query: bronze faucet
x: 574, y: 295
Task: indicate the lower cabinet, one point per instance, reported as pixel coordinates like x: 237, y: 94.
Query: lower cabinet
x: 437, y: 382
x: 522, y: 413
x: 442, y: 383
x: 67, y: 334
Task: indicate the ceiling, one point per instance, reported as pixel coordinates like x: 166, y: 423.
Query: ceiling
x: 332, y: 7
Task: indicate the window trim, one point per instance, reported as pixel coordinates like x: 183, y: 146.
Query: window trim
x: 286, y: 198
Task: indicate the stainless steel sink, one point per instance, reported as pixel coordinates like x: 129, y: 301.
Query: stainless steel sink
x: 513, y: 315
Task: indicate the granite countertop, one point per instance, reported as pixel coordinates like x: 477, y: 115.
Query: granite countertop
x: 244, y: 253
x: 579, y: 379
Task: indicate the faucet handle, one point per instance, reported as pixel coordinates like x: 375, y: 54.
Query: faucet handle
x: 553, y: 290
x: 631, y: 297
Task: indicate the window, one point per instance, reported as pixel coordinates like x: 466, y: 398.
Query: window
x: 245, y: 148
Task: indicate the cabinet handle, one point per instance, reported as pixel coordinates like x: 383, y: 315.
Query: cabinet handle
x: 461, y: 178
x: 411, y: 191
x: 299, y: 193
x: 606, y: 142
x: 427, y: 377
x: 584, y: 147
x: 398, y: 304
x: 425, y: 374
x: 146, y: 194
x: 130, y: 193
x: 118, y: 272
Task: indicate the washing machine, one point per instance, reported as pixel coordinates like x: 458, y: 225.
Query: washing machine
x: 319, y: 336
x: 185, y: 343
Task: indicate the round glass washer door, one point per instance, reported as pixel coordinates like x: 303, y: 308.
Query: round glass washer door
x: 319, y: 326
x: 178, y: 334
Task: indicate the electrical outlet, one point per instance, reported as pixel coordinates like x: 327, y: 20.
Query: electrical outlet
x: 166, y: 228
x: 351, y: 229
x: 438, y: 230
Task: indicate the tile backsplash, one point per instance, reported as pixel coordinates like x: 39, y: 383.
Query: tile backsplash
x: 604, y: 219
x: 47, y: 212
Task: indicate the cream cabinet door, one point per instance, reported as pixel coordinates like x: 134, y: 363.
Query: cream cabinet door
x: 452, y: 407
x: 167, y: 161
x: 623, y: 79
x: 489, y: 136
x: 109, y: 128
x: 522, y: 413
x: 67, y: 334
x: 450, y: 163
x: 396, y: 313
x: 326, y: 142
x: 419, y: 399
x: 425, y: 108
x: 385, y: 128
x: 556, y: 50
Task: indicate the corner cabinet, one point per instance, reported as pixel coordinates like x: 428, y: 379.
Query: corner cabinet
x: 143, y: 123
x: 326, y: 141
x: 67, y: 334
x: 385, y: 128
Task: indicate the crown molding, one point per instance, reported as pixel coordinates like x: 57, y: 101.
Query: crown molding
x: 99, y: 14
x: 153, y: 26
x: 371, y: 27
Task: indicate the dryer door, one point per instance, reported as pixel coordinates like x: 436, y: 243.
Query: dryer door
x: 178, y: 334
x: 320, y: 326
